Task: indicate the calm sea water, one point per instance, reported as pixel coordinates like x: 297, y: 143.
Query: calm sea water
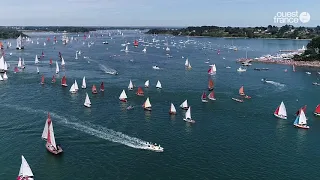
x: 229, y: 140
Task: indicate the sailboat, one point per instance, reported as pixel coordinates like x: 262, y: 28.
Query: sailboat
x: 25, y: 172
x: 204, y: 97
x: 62, y: 61
x: 57, y: 67
x: 5, y: 77
x: 127, y: 49
x: 186, y: 64
x: 147, y: 105
x: 36, y: 60
x: 167, y: 49
x: 73, y: 89
x: 38, y: 70
x: 87, y: 102
x: 94, y: 89
x: 140, y: 92
x: 212, y: 70
x: 42, y: 80
x: 102, y: 87
x: 123, y: 96
x: 49, y: 134
x: 130, y: 87
x: 210, y: 85
x: 144, y: 50
x: 50, y: 62
x: 2, y: 62
x: 64, y: 81
x: 241, y: 91
x: 188, y: 116
x: 76, y: 87
x: 281, y: 111
x: 317, y: 110
x: 146, y: 84
x: 301, y: 121
x: 76, y: 56
x: 304, y: 109
x: 53, y: 79
x: 158, y: 85
x: 84, y: 85
x: 172, y: 110
x: 20, y: 63
x: 184, y: 105
x: 135, y: 43
x: 211, y: 96
x: 189, y: 66
x: 19, y: 43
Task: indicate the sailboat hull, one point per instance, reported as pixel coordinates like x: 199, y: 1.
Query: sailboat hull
x: 130, y: 89
x: 64, y: 85
x: 280, y: 116
x: 139, y: 94
x: 123, y: 100
x: 189, y: 120
x: 52, y: 150
x: 87, y: 105
x: 185, y: 108
x: 147, y: 109
x: 19, y: 48
x: 94, y: 92
x: 301, y: 126
x: 204, y: 100
x: 317, y: 114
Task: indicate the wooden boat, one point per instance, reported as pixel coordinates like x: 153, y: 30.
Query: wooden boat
x: 147, y: 105
x: 210, y: 85
x: 238, y: 100
x: 48, y: 134
x: 172, y: 110
x: 123, y: 96
x: 301, y: 121
x: 184, y: 105
x: 64, y: 81
x: 140, y: 92
x: 53, y: 79
x: 42, y: 80
x: 317, y: 110
x: 87, y: 102
x: 281, y: 111
x: 188, y: 116
x: 25, y: 172
x: 211, y: 96
x: 204, y: 97
x: 102, y: 87
x: 94, y: 89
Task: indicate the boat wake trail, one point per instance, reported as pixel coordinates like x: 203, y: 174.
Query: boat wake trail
x: 94, y: 130
x: 276, y: 83
x: 107, y: 70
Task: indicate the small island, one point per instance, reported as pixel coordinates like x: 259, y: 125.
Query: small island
x: 284, y: 32
x: 9, y: 33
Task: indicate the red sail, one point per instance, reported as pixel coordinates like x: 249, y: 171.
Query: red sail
x: 42, y: 79
x: 64, y: 80
x: 204, y: 96
x: 317, y: 109
x: 94, y: 89
x: 136, y: 43
x: 211, y: 95
x: 304, y: 108
x: 49, y: 124
x: 102, y: 87
x: 277, y: 110
x: 210, y: 84
x: 140, y: 92
x: 50, y: 61
x: 16, y: 69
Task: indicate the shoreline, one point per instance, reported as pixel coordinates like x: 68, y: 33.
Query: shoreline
x: 314, y: 64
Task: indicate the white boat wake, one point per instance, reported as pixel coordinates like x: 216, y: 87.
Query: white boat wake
x: 276, y: 83
x: 94, y: 130
x: 107, y: 70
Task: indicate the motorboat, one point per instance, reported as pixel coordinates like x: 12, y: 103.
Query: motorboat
x: 155, y: 67
x: 154, y: 147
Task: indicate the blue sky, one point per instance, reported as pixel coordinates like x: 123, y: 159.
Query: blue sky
x: 152, y: 12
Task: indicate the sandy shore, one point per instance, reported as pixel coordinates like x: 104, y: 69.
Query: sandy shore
x: 285, y: 62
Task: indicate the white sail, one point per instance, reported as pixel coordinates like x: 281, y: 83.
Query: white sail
x: 188, y: 113
x: 282, y: 110
x: 1, y: 79
x: 19, y: 42
x: 123, y: 95
x: 72, y: 89
x: 23, y: 64
x: 76, y: 56
x: 172, y: 108
x: 38, y: 70
x: 62, y: 61
x: 84, y: 85
x: 130, y: 87
x: 146, y: 84
x: 2, y: 63
x: 126, y: 50
x: 52, y: 138
x: 147, y: 104
x: 25, y: 170
x: 184, y: 104
x: 76, y: 85
x: 144, y: 50
x: 167, y: 49
x: 57, y: 67
x: 213, y: 68
x: 45, y: 130
x: 36, y: 60
x: 87, y: 101
x: 186, y: 63
x: 19, y: 63
x: 158, y: 85
x: 44, y: 44
x: 189, y: 66
x: 302, y: 118
x: 5, y: 66
x: 5, y: 77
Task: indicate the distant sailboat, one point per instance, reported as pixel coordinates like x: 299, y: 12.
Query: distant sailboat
x: 87, y: 102
x: 186, y: 64
x: 42, y: 80
x: 84, y: 85
x: 50, y: 62
x: 53, y: 79
x: 210, y: 85
x: 317, y: 110
x: 123, y: 96
x: 73, y: 89
x: 127, y: 49
x: 57, y: 67
x: 76, y: 87
x: 158, y: 85
x: 130, y: 86
x: 62, y: 62
x: 144, y: 50
x: 147, y: 105
x: 184, y: 105
x: 172, y: 110
x: 36, y: 60
x: 64, y: 81
x: 25, y: 172
x: 304, y: 109
x: 140, y: 92
x: 301, y: 121
x: 281, y: 111
x: 94, y: 89
x: 102, y: 87
x: 204, y: 97
x: 188, y: 116
x: 76, y: 56
x: 19, y: 43
x: 211, y: 96
x: 38, y: 70
x: 135, y: 43
x: 51, y: 142
x: 146, y: 84
x: 241, y: 91
x: 212, y: 69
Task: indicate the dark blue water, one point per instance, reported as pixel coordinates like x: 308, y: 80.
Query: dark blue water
x: 229, y: 140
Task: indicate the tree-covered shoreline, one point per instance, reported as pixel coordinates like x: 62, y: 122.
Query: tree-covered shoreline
x: 8, y: 33
x: 312, y: 52
x: 284, y: 32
